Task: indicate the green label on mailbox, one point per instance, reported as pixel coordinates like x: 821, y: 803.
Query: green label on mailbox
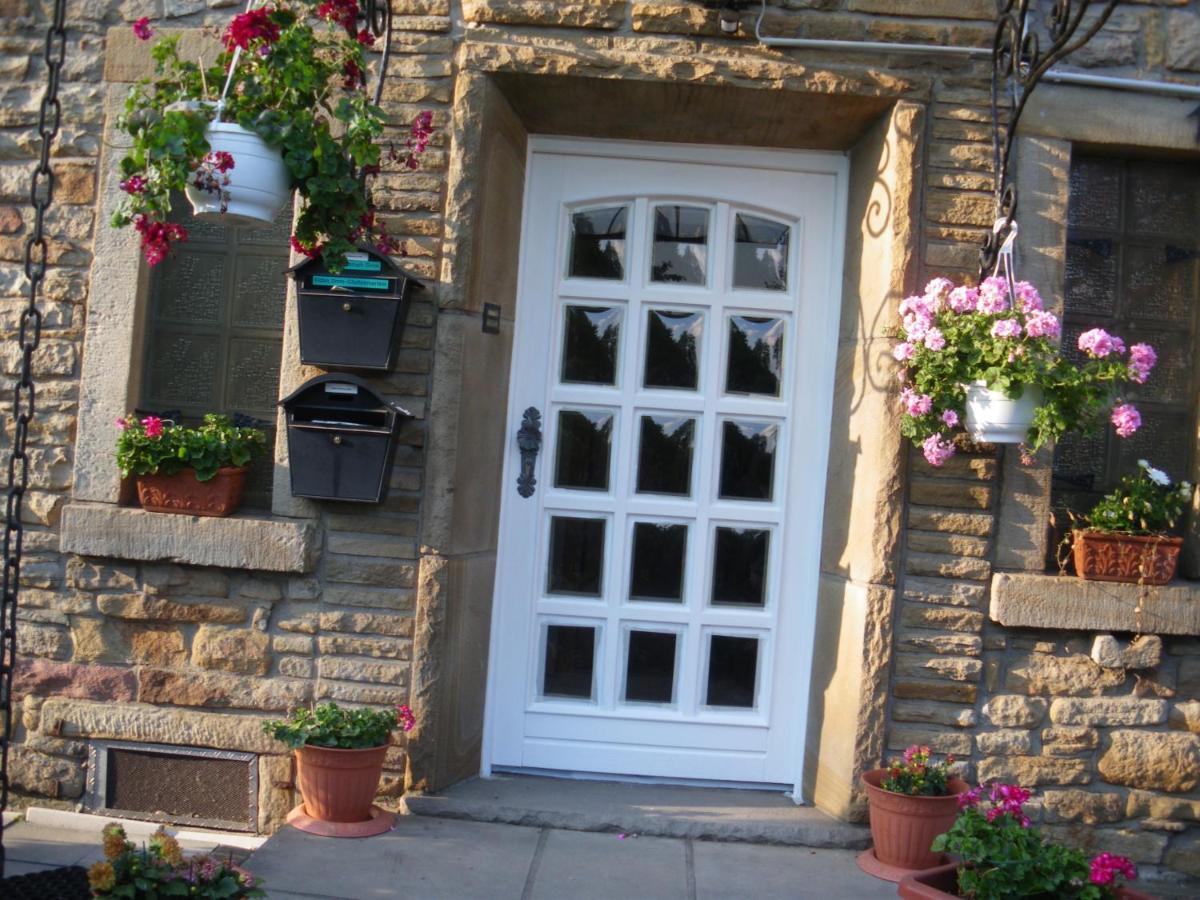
x: 363, y: 265
x: 347, y: 281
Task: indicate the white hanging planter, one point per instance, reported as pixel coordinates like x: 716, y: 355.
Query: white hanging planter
x: 258, y: 182
x: 995, y: 418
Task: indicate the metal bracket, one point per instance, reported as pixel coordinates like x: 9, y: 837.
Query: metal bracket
x: 491, y: 318
x: 529, y: 442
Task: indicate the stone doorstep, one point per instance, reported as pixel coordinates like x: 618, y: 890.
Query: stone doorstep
x: 700, y: 813
x: 72, y: 823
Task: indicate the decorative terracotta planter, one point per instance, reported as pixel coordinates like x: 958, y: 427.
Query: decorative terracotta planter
x: 182, y: 493
x: 1129, y: 558
x: 942, y: 882
x: 339, y: 785
x: 903, y: 827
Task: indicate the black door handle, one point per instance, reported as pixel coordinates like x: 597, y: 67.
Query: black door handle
x: 529, y: 442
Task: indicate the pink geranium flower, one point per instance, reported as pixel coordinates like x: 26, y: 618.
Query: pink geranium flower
x: 1040, y: 323
x: 1028, y: 298
x: 964, y: 299
x: 1142, y: 360
x: 903, y: 352
x: 937, y: 449
x: 142, y: 29
x: 153, y: 426
x: 934, y: 339
x: 993, y: 296
x: 1107, y: 866
x: 1126, y: 418
x: 1007, y: 328
x: 1099, y: 343
x: 950, y: 417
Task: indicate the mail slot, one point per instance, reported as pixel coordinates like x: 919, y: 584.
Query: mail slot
x: 341, y: 439
x: 354, y: 318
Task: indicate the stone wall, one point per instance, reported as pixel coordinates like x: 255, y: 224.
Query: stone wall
x: 136, y: 651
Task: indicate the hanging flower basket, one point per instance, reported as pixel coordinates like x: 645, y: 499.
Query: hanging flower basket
x: 996, y: 418
x: 252, y: 189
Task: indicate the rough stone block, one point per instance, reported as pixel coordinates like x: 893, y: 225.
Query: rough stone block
x: 241, y: 650
x: 1143, y: 847
x: 218, y: 690
x: 156, y: 646
x: 151, y: 608
x: 1074, y: 675
x: 1089, y: 807
x: 45, y: 641
x: 352, y: 692
x: 1164, y: 761
x: 1012, y: 711
x: 1107, y: 711
x: 939, y: 740
x: 379, y: 648
x: 1032, y: 771
x: 933, y: 713
x: 155, y: 725
x: 947, y: 667
x: 948, y: 566
x: 1159, y: 806
x: 945, y: 592
x: 674, y: 18
x: 556, y: 13
x: 918, y: 689
x: 1009, y: 742
x: 1184, y: 853
x: 1049, y: 601
x: 1069, y: 741
x: 355, y: 669
x: 50, y: 776
x: 1183, y: 43
x: 355, y: 623
x: 1143, y: 652
x: 1185, y: 716
x: 62, y: 679
x: 276, y: 794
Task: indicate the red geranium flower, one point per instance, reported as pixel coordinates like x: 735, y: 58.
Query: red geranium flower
x: 249, y: 27
x: 142, y: 29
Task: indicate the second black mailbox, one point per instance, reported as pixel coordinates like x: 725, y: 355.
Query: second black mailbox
x: 341, y: 439
x: 353, y: 319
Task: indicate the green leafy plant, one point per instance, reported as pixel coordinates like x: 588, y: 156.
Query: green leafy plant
x: 916, y: 776
x: 330, y: 725
x: 1145, y: 502
x: 152, y: 445
x: 299, y: 83
x: 160, y: 869
x: 953, y: 336
x: 1002, y: 857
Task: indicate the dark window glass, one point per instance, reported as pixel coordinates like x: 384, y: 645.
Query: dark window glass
x: 665, y: 455
x: 680, y: 253
x: 748, y: 460
x: 1133, y: 268
x: 740, y: 566
x: 576, y: 556
x: 672, y: 349
x: 732, y: 671
x: 584, y: 441
x: 590, y: 341
x: 570, y: 661
x: 659, y: 551
x: 760, y: 253
x: 598, y: 243
x: 755, y: 355
x: 214, y: 330
x: 650, y: 667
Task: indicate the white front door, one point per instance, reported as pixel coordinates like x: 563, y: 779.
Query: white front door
x: 655, y: 592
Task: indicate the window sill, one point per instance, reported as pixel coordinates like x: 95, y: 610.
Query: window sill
x: 1073, y: 604
x: 265, y: 543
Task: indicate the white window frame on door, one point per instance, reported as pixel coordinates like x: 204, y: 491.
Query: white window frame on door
x: 816, y: 345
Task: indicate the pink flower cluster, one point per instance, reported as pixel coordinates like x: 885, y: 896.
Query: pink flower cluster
x: 1040, y: 323
x: 157, y: 237
x: 1006, y: 328
x: 134, y: 184
x: 405, y: 718
x: 1107, y: 866
x: 916, y: 404
x: 152, y: 424
x: 1126, y: 418
x: 249, y: 27
x: 142, y: 30
x: 937, y: 449
x: 1099, y: 343
x: 1005, y: 799
x: 1142, y: 360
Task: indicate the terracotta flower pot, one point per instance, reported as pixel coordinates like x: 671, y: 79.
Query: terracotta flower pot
x: 1129, y: 558
x: 903, y: 827
x: 942, y: 882
x: 183, y: 493
x: 339, y: 785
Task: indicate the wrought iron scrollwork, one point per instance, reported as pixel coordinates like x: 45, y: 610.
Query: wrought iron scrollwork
x: 1018, y: 64
x: 529, y: 442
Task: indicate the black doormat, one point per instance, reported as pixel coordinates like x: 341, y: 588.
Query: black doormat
x: 68, y: 883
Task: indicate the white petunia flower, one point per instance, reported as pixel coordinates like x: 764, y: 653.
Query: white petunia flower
x: 1158, y: 476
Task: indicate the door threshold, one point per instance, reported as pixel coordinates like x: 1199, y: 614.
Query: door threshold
x: 568, y: 775
x: 640, y: 808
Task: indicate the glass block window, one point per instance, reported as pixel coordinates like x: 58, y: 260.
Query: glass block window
x: 1133, y: 267
x: 214, y: 329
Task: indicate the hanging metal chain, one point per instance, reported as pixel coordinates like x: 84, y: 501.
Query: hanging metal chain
x: 29, y: 335
x: 1018, y: 64
x: 377, y: 16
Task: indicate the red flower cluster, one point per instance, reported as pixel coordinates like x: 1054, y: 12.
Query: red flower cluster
x: 134, y: 184
x: 153, y: 426
x: 1106, y: 867
x: 157, y: 238
x: 1006, y: 799
x: 416, y: 142
x: 220, y: 160
x: 142, y: 30
x: 249, y: 27
x: 365, y: 38
x: 311, y: 252
x: 352, y: 75
x: 405, y: 718
x: 343, y: 12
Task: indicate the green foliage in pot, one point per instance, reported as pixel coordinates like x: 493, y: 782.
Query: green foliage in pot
x: 151, y: 445
x: 952, y: 336
x: 1002, y: 856
x: 1145, y: 502
x: 300, y: 84
x: 330, y: 725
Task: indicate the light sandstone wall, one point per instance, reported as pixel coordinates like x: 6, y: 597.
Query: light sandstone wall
x: 136, y: 650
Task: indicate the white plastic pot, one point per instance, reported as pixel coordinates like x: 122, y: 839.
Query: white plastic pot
x: 996, y: 419
x: 258, y: 182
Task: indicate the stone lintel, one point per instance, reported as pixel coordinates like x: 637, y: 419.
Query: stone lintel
x: 239, y: 542
x: 1068, y: 603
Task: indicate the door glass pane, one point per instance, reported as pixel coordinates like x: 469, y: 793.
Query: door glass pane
x: 598, y: 243
x: 650, y: 667
x: 755, y: 355
x: 576, y: 556
x: 570, y: 661
x: 732, y: 671
x: 584, y: 442
x: 665, y: 455
x: 760, y: 254
x: 590, y: 340
x: 740, y: 567
x: 672, y: 349
x: 659, y: 552
x: 748, y: 460
x: 680, y: 254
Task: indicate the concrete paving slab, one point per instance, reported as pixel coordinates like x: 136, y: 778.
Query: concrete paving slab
x: 591, y: 866
x: 48, y: 846
x: 420, y: 858
x: 757, y: 872
x: 648, y: 809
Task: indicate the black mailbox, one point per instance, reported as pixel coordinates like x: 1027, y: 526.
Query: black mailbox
x: 341, y: 439
x: 353, y: 319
